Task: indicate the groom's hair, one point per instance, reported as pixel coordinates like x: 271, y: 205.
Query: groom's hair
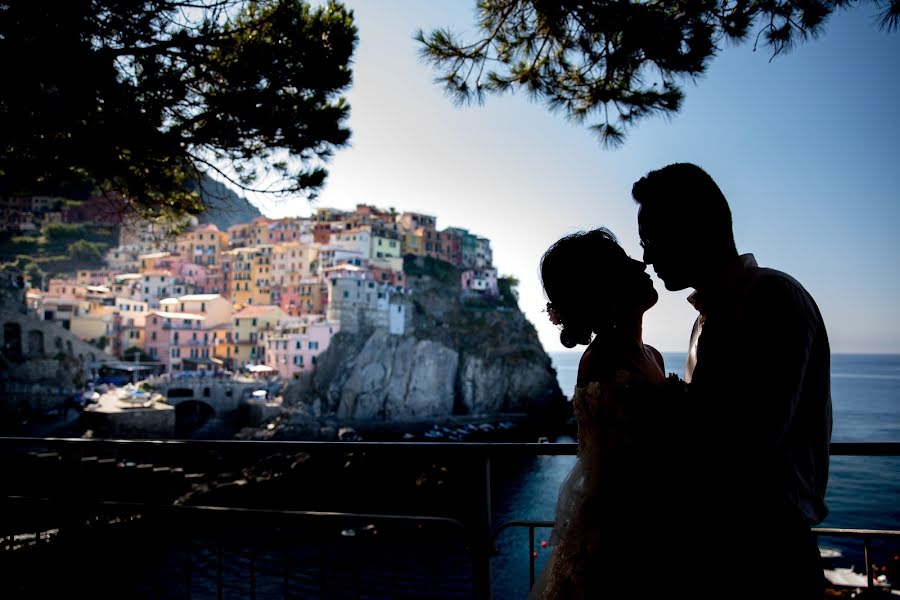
x: 687, y: 196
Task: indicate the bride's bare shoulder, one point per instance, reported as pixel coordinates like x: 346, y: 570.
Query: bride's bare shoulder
x: 657, y: 356
x: 596, y: 365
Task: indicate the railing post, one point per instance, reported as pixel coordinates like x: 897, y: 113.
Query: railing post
x: 867, y: 540
x: 483, y: 541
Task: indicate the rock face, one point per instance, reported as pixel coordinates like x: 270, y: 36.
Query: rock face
x: 458, y: 357
x: 396, y: 378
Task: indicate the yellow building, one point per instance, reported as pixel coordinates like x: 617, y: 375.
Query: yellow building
x: 261, y: 276
x: 148, y: 262
x: 238, y: 264
x: 249, y: 274
x: 203, y: 244
x: 414, y: 243
x: 385, y: 245
x: 247, y: 325
x: 216, y: 308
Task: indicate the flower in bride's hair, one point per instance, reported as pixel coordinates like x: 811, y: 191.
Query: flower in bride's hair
x: 552, y: 314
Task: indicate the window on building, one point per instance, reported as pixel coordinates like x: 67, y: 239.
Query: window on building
x: 153, y: 336
x: 314, y: 345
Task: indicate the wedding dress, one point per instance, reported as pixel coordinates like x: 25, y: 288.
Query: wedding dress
x: 600, y: 529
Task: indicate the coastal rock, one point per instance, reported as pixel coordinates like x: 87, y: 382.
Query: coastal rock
x: 509, y: 383
x: 397, y: 378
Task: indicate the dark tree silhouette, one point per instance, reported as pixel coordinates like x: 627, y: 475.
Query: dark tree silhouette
x: 141, y: 96
x: 612, y: 62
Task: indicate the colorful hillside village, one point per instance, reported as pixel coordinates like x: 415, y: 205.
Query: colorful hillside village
x: 265, y: 295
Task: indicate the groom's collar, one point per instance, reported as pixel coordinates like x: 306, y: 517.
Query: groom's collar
x: 728, y: 281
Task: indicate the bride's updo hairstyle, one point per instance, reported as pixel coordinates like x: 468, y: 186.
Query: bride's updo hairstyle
x: 579, y: 277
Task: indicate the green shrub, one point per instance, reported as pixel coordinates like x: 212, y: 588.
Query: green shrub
x: 85, y: 251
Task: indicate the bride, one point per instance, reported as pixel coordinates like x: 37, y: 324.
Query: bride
x: 598, y: 295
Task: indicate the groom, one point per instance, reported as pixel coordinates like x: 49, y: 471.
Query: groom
x: 758, y: 415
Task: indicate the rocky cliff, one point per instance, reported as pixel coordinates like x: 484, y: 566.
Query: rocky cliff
x: 459, y: 356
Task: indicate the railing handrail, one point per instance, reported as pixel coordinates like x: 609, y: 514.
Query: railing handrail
x: 465, y: 448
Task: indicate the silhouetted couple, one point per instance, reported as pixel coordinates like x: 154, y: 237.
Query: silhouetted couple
x: 705, y: 488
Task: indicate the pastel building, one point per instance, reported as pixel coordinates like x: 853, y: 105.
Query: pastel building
x: 239, y: 235
x: 95, y: 325
x: 214, y: 307
x: 65, y: 289
x: 358, y: 241
x: 237, y: 273
x: 386, y: 243
x: 480, y: 281
x: 127, y: 285
x: 248, y: 325
x: 484, y: 256
x: 202, y: 245
x: 332, y: 256
x: 152, y: 260
x: 412, y: 221
x: 180, y: 341
x: 92, y: 277
x: 413, y: 242
x: 313, y: 298
x: 261, y: 275
x: 132, y: 312
x: 468, y: 246
x: 294, y: 347
x: 157, y: 285
x: 388, y: 271
x: 205, y: 279
x: 259, y: 231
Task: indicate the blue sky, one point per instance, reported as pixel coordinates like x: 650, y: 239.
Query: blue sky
x: 805, y: 147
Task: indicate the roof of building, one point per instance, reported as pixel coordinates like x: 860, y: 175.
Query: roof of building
x: 199, y: 297
x: 155, y: 255
x: 178, y: 315
x: 124, y: 276
x: 254, y: 311
x: 160, y: 272
x: 345, y: 267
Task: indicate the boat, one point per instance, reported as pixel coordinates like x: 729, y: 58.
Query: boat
x: 840, y: 574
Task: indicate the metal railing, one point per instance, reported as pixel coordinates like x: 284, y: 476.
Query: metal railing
x: 479, y: 529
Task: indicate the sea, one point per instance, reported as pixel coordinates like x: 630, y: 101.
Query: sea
x: 863, y: 492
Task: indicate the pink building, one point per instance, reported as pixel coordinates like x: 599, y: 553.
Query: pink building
x: 480, y: 281
x: 206, y: 279
x: 294, y: 348
x: 180, y: 341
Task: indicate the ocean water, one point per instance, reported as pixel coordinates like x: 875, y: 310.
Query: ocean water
x: 863, y: 492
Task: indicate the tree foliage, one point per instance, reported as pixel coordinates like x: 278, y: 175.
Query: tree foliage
x: 141, y: 96
x: 84, y: 251
x: 610, y: 63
